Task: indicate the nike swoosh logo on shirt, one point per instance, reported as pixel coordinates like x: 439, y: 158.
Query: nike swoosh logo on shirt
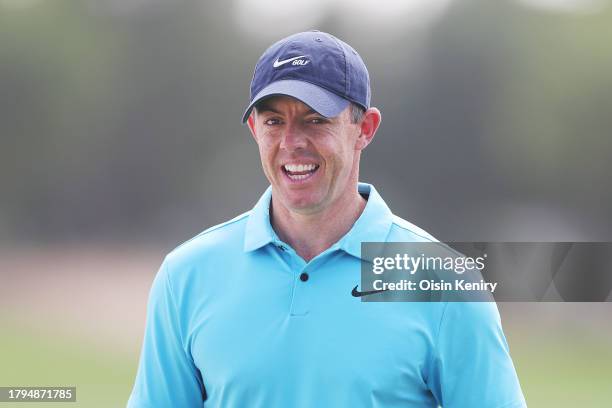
x: 357, y: 293
x: 278, y: 63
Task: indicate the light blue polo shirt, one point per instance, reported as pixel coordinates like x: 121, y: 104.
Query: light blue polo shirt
x: 233, y: 322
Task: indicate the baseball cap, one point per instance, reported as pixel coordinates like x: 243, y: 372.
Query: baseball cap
x: 315, y: 67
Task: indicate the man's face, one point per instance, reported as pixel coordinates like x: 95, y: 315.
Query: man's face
x: 311, y: 161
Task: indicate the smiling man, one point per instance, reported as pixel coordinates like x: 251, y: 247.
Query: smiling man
x: 312, y: 162
x: 259, y: 311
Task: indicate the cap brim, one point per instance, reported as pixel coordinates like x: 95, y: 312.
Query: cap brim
x: 321, y: 100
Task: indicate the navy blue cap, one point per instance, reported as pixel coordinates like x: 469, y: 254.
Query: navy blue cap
x: 315, y: 67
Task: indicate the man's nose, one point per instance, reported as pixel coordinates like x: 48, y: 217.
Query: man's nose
x: 293, y: 138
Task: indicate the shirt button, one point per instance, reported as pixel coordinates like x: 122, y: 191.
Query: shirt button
x: 303, y: 276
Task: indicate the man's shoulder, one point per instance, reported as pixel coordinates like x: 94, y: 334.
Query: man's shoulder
x: 405, y: 231
x: 214, y: 240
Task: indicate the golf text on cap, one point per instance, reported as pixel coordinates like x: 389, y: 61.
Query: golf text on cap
x: 294, y: 61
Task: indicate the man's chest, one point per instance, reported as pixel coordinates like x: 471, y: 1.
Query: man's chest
x: 269, y: 335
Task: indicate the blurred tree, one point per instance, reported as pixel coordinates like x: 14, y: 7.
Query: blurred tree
x: 121, y: 119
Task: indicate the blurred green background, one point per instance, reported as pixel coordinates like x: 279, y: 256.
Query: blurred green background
x: 121, y: 137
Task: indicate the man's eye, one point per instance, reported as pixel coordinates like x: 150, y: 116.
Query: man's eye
x: 271, y: 122
x: 317, y: 120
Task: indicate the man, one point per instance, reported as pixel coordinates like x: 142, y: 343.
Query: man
x: 258, y: 311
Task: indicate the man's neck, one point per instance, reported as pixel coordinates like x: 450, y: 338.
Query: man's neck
x: 311, y: 234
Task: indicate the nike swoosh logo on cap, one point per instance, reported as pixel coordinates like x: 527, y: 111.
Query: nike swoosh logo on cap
x: 278, y: 63
x: 357, y: 293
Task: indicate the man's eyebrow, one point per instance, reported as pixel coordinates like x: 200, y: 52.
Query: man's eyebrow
x: 264, y: 107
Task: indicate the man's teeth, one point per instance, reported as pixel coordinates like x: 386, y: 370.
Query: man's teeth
x: 300, y: 171
x: 299, y: 168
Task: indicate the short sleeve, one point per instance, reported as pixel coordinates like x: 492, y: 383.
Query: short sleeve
x: 472, y: 365
x: 167, y: 376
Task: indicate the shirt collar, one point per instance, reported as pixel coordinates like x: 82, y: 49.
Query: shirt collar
x: 259, y: 230
x: 373, y: 224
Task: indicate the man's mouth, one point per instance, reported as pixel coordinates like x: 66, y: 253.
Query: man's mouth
x: 299, y: 171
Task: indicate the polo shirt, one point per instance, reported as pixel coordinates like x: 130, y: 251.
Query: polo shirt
x: 236, y: 318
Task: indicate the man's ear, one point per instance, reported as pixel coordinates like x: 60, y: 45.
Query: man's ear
x: 251, y: 124
x: 369, y: 125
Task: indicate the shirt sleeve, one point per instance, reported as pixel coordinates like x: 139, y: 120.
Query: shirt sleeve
x: 167, y: 375
x: 472, y: 365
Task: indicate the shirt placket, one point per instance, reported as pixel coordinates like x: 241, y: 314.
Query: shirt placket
x: 303, y: 280
x: 301, y: 290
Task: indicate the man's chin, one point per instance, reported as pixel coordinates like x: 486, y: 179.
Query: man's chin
x: 301, y: 203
